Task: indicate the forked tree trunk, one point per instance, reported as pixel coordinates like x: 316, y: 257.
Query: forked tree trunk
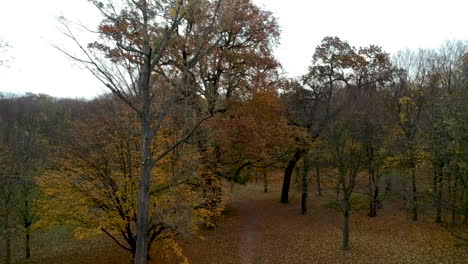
x: 288, y: 174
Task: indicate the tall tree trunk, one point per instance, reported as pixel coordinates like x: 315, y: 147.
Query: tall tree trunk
x: 141, y: 253
x: 345, y: 242
x: 439, y: 172
x: 305, y: 185
x: 288, y: 174
x: 27, y: 244
x: 317, y: 174
x: 414, y: 194
x: 265, y: 181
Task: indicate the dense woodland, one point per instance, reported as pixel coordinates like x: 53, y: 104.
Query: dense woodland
x: 197, y: 103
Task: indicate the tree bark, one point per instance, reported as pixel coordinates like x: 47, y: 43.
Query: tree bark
x: 8, y: 249
x: 288, y: 174
x: 141, y: 253
x: 27, y: 244
x: 317, y: 174
x: 345, y: 242
x: 265, y: 182
x: 453, y: 201
x: 337, y: 191
x: 305, y: 185
x: 7, y: 237
x: 439, y: 172
x: 374, y: 194
x: 414, y: 194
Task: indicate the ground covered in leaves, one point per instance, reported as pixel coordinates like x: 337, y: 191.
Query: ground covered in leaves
x: 256, y: 228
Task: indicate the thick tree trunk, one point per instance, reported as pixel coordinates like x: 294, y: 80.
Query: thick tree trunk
x: 414, y: 194
x: 317, y: 174
x: 305, y: 185
x: 373, y: 194
x: 345, y: 242
x: 439, y: 172
x: 27, y: 244
x: 265, y: 182
x: 288, y: 174
x: 141, y: 253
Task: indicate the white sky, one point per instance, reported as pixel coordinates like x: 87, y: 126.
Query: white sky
x: 30, y: 27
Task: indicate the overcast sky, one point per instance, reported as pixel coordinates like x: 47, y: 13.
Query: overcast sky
x: 30, y: 27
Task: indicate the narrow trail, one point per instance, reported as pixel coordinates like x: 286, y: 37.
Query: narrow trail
x: 249, y: 231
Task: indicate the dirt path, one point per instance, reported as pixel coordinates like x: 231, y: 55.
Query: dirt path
x: 258, y: 229
x: 249, y: 230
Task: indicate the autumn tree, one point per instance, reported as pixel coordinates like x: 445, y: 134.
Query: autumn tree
x: 22, y: 135
x: 9, y: 198
x: 348, y: 157
x: 94, y: 183
x: 148, y: 54
x: 254, y: 134
x: 336, y: 65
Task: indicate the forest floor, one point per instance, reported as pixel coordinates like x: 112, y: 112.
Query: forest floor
x: 256, y: 228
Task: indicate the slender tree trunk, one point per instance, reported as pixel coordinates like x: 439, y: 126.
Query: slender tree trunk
x: 372, y: 209
x: 439, y: 171
x: 388, y: 185
x: 405, y: 192
x: 265, y: 181
x: 345, y: 243
x: 453, y: 199
x: 27, y: 244
x: 337, y: 191
x: 288, y: 174
x: 305, y: 185
x: 304, y: 196
x: 7, y: 237
x: 414, y: 194
x: 317, y: 174
x: 8, y: 249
